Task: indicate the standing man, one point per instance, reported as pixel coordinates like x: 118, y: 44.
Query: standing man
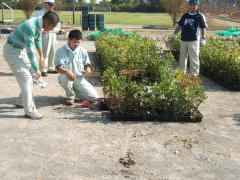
x: 192, y: 25
x: 49, y: 40
x: 28, y: 35
x: 72, y: 62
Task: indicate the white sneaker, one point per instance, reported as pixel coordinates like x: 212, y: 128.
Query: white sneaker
x: 34, y: 116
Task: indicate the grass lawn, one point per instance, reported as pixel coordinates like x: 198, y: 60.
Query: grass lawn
x: 160, y: 19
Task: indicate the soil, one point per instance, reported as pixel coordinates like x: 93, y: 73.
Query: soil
x: 78, y: 143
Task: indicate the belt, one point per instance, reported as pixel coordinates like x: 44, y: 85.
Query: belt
x: 11, y: 43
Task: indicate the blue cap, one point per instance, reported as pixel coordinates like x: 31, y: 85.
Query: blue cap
x: 195, y: 2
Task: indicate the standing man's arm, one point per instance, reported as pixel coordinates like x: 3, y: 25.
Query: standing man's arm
x: 38, y: 45
x: 203, y: 33
x: 203, y: 26
x: 41, y: 58
x: 177, y: 30
x: 180, y: 25
x: 29, y: 42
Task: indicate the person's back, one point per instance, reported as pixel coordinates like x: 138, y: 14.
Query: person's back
x: 25, y: 32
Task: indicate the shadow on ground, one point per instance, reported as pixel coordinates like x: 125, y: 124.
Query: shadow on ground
x: 236, y: 118
x: 40, y: 101
x: 86, y: 115
x: 211, y: 86
x: 13, y: 117
x: 5, y: 74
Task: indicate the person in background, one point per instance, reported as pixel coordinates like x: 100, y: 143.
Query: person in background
x: 193, y: 35
x: 49, y: 40
x: 28, y: 35
x: 72, y: 62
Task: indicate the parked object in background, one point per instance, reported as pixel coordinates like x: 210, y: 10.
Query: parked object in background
x: 85, y: 12
x: 5, y: 32
x: 92, y: 22
x: 100, y: 21
x: 229, y: 34
x: 110, y: 32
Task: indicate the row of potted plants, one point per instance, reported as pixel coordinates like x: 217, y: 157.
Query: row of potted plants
x: 220, y: 60
x: 140, y: 85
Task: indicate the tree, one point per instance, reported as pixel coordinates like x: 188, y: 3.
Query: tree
x: 59, y: 5
x: 105, y: 3
x: 93, y: 2
x: 116, y: 1
x: 175, y: 8
x: 27, y: 6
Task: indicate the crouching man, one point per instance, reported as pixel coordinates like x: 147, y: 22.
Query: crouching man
x: 72, y: 62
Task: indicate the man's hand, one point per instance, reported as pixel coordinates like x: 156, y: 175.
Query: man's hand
x: 203, y: 42
x: 88, y: 71
x: 70, y: 75
x: 38, y: 75
x: 174, y: 36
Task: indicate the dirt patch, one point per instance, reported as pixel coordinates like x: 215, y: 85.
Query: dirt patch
x: 128, y: 161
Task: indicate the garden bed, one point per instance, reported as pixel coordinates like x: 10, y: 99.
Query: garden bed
x: 219, y: 59
x: 139, y: 84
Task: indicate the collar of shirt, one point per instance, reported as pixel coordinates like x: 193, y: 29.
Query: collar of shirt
x: 193, y: 13
x: 69, y: 49
x: 40, y: 21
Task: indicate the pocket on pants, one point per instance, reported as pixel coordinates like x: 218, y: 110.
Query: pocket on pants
x: 11, y: 54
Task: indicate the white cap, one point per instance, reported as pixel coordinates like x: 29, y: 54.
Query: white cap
x: 48, y: 1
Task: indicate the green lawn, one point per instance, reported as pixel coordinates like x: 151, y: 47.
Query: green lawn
x: 160, y: 19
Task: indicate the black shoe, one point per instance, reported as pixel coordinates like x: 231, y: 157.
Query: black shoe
x: 52, y: 71
x: 18, y: 106
x: 44, y: 74
x: 69, y: 102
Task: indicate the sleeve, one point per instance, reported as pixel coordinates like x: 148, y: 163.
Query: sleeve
x: 86, y: 60
x: 38, y: 41
x: 181, y: 22
x: 203, y: 22
x: 39, y: 13
x: 59, y: 60
x: 29, y: 41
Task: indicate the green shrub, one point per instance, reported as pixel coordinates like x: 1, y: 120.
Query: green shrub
x: 219, y: 59
x: 155, y: 88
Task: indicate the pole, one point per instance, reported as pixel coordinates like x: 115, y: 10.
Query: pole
x: 2, y: 12
x: 74, y: 7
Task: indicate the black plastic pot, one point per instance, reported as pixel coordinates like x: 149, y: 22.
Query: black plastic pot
x: 100, y: 21
x: 85, y: 22
x: 119, y: 116
x: 92, y: 22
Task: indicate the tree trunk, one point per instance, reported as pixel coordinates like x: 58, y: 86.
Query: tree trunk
x: 174, y: 20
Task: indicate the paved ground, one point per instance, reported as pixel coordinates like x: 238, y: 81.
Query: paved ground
x: 75, y: 143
